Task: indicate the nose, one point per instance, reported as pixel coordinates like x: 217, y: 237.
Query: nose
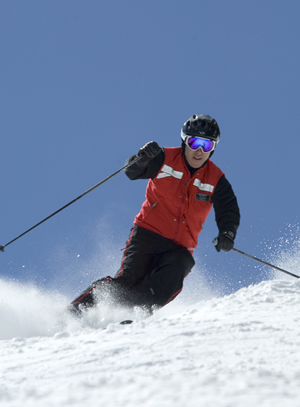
x: 199, y: 151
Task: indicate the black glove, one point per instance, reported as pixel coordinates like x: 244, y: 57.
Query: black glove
x: 225, y: 241
x: 147, y: 152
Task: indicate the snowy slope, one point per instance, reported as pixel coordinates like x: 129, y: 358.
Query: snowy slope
x: 237, y: 350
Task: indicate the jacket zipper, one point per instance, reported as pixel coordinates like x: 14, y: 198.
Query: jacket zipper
x: 179, y: 210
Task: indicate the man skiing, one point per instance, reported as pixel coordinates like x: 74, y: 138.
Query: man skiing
x: 184, y: 184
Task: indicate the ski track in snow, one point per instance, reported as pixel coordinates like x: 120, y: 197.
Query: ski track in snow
x: 237, y: 350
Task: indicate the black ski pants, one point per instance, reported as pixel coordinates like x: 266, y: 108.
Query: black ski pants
x: 151, y: 275
x: 153, y: 267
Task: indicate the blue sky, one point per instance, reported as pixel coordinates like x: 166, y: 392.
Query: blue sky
x: 85, y: 84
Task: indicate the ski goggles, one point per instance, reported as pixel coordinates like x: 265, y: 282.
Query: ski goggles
x: 194, y: 143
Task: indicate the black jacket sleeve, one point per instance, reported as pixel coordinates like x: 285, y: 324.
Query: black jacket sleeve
x: 136, y: 171
x: 226, y: 208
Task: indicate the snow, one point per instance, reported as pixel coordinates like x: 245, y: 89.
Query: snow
x: 235, y: 350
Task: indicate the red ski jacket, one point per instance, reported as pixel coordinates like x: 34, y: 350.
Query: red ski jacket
x: 177, y: 204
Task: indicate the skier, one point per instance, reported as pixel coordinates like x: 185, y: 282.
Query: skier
x: 184, y: 184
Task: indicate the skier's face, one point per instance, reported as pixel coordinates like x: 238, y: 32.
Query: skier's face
x: 196, y: 158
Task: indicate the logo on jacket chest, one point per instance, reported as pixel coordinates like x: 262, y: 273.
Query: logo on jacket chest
x: 202, y: 197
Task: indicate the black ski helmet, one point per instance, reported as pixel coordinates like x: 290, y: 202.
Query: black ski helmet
x: 201, y: 125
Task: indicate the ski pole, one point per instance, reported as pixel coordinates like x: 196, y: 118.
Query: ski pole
x: 70, y: 203
x: 265, y: 263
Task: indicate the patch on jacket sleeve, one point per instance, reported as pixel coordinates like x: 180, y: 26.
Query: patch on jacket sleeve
x: 202, y: 197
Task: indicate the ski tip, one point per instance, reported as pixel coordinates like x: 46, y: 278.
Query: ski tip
x: 126, y: 322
